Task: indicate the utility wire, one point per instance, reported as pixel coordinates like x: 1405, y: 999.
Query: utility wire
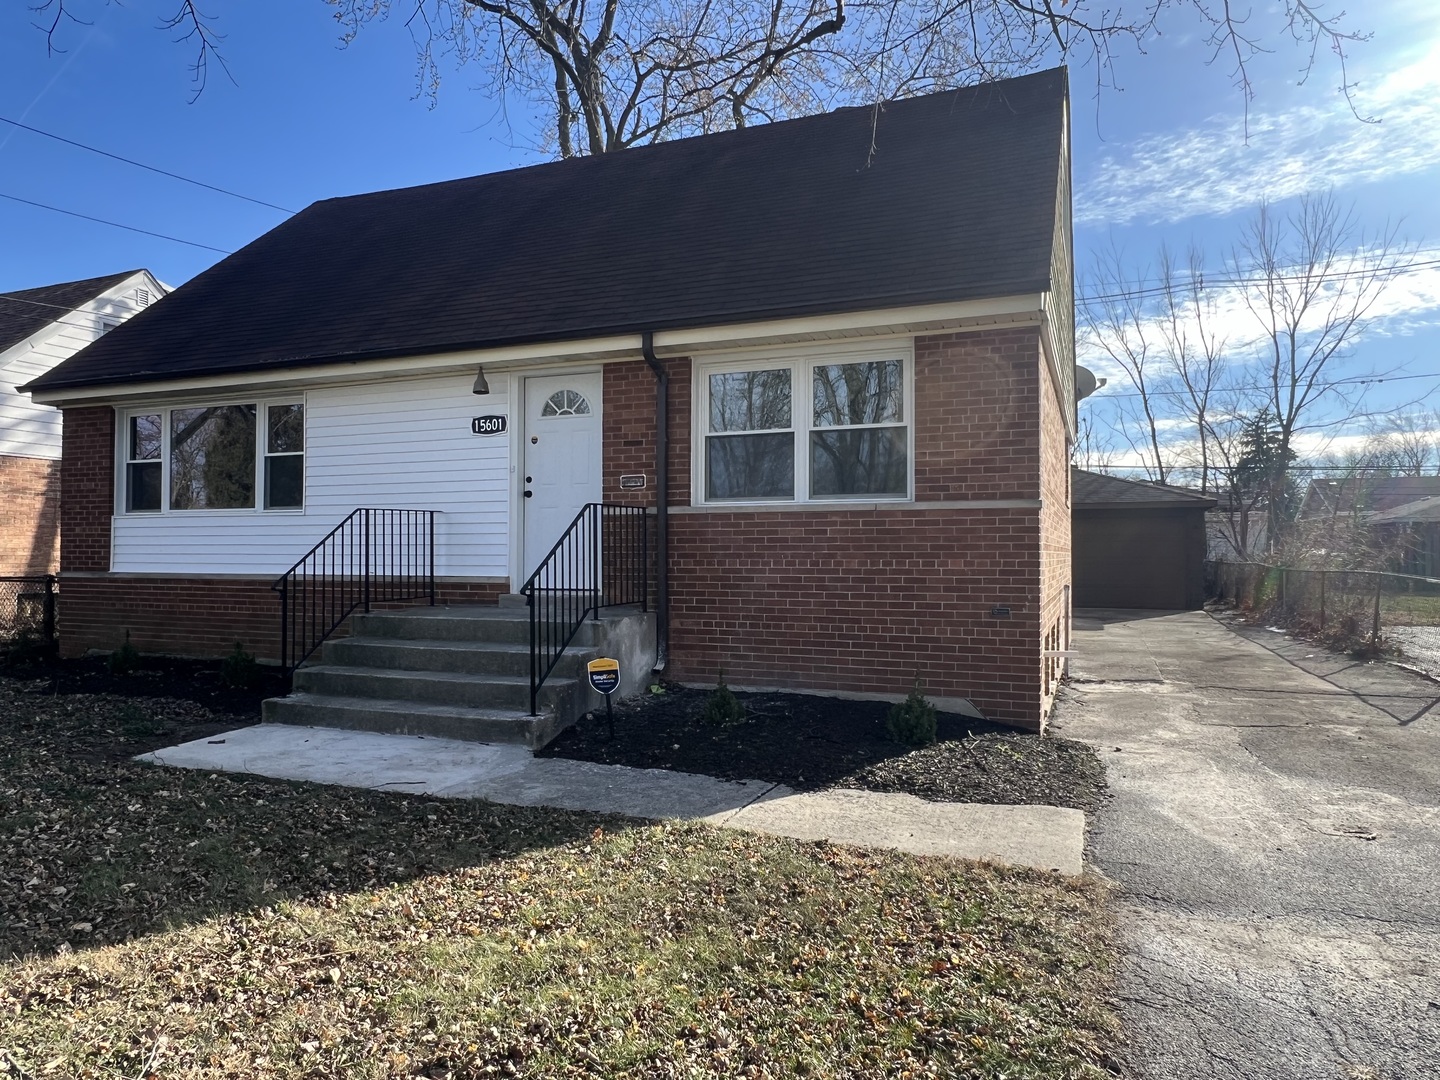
x: 1357, y: 381
x: 142, y: 165
x: 1184, y: 286
x: 115, y: 224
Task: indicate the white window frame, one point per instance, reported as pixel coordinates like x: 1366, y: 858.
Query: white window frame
x: 801, y: 363
x: 262, y: 442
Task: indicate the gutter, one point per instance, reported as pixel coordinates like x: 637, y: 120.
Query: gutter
x: 662, y: 499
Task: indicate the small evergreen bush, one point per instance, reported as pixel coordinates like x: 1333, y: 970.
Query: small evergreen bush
x: 125, y: 659
x: 912, y: 721
x: 722, y: 707
x: 239, y: 671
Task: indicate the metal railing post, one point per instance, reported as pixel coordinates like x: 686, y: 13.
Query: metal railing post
x: 48, y: 615
x: 431, y: 515
x: 597, y: 513
x: 365, y: 559
x: 285, y: 622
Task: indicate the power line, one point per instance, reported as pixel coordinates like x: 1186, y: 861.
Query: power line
x: 142, y: 165
x: 1221, y: 282
x: 115, y: 224
x: 1357, y: 381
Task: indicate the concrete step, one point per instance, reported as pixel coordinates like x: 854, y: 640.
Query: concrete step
x: 395, y: 717
x: 501, y: 624
x: 469, y: 657
x: 438, y: 687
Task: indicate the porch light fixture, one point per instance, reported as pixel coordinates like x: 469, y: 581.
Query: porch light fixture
x: 481, y: 386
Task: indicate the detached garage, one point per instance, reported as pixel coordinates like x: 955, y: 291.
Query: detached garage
x: 1137, y: 545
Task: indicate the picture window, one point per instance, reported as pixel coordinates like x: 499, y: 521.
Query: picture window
x: 848, y: 439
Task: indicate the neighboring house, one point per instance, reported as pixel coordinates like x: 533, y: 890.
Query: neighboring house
x: 859, y: 326
x: 1237, y: 527
x: 1364, y: 494
x: 1412, y: 532
x: 38, y: 329
x: 1138, y: 544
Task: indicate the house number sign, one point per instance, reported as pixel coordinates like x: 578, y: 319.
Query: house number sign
x: 490, y: 425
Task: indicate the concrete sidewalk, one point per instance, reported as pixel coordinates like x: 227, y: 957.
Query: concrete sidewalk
x: 1044, y: 837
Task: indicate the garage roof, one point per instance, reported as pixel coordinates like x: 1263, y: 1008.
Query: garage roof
x: 1096, y: 491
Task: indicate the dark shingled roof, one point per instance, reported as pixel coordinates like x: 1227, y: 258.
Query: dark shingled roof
x: 956, y: 202
x: 30, y: 310
x: 1096, y: 491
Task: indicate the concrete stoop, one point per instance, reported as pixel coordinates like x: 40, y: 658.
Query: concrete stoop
x: 460, y: 673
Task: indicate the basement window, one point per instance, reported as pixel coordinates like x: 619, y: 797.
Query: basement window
x: 805, y: 430
x: 214, y: 457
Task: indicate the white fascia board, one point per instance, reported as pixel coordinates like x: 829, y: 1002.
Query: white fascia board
x: 927, y: 318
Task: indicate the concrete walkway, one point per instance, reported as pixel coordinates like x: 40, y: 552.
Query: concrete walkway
x: 1045, y: 837
x: 1275, y: 835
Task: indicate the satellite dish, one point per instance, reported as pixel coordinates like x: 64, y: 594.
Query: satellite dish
x: 1086, y: 383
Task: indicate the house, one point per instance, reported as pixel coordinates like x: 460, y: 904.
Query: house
x: 38, y: 329
x: 1138, y: 544
x: 1411, y: 533
x: 1364, y: 494
x: 830, y: 359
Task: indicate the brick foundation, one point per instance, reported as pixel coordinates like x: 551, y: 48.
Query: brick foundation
x: 194, y: 616
x: 29, y: 516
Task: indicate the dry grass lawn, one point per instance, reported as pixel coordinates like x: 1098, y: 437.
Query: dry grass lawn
x: 178, y: 924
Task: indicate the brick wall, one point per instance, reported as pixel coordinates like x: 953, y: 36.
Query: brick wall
x: 194, y: 616
x: 864, y: 600
x: 630, y: 431
x: 29, y: 516
x: 861, y: 601
x: 977, y: 398
x: 1055, y: 544
x: 87, y: 476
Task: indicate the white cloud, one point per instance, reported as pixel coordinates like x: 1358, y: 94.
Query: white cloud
x: 1212, y: 170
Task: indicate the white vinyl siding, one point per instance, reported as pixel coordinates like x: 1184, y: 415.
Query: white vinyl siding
x: 402, y: 443
x: 30, y: 430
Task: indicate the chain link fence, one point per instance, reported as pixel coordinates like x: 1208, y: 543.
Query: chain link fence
x: 27, y: 611
x: 1355, y: 609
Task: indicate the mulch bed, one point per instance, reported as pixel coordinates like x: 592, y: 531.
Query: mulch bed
x: 166, y: 701
x: 810, y: 743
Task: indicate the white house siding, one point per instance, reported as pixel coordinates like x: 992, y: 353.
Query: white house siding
x: 403, y: 443
x: 30, y: 430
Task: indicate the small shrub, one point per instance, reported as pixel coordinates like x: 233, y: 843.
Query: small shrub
x: 136, y: 723
x: 239, y: 671
x: 25, y: 653
x: 722, y: 707
x: 912, y: 721
x: 125, y: 659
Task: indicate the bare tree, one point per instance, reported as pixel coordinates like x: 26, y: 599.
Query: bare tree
x: 1119, y: 321
x: 612, y: 73
x: 1311, y: 279
x: 1407, y: 442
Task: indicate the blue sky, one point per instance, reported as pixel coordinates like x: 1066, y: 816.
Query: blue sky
x: 1163, y: 157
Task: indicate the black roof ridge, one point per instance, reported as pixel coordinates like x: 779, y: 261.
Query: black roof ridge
x: 112, y: 279
x: 727, y: 134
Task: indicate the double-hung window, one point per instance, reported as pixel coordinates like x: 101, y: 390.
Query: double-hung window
x: 215, y: 457
x: 805, y: 430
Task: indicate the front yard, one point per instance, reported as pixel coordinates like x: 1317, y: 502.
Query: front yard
x: 178, y: 924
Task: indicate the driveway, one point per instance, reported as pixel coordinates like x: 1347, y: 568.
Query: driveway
x: 1274, y: 835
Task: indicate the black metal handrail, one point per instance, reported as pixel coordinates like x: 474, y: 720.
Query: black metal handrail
x: 372, y: 557
x: 601, y: 561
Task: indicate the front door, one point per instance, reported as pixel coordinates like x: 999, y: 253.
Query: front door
x: 561, y: 457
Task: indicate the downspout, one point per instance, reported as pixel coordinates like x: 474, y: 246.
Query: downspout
x: 662, y: 500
